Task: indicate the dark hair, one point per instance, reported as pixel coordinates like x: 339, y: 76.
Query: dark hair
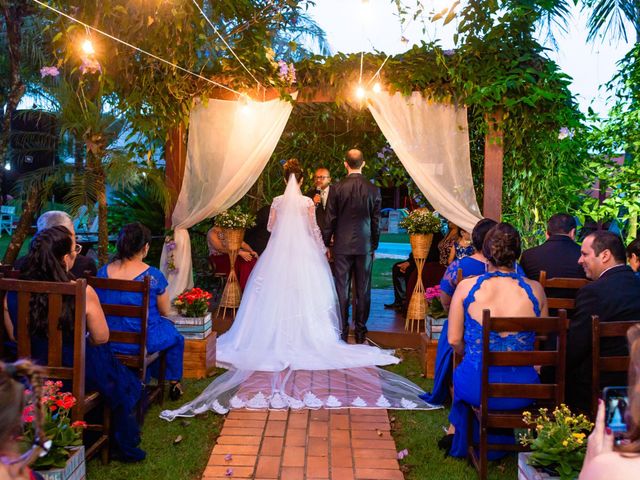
x: 561, y: 224
x: 131, y: 240
x: 12, y: 401
x: 502, y: 245
x: 603, y: 240
x: 354, y: 158
x: 44, y: 263
x: 633, y: 409
x: 480, y: 231
x: 292, y: 166
x: 634, y: 247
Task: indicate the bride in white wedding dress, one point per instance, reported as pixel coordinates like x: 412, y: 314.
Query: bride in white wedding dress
x: 284, y: 348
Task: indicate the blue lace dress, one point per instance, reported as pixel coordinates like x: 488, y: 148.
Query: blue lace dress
x: 103, y: 373
x: 462, y: 251
x: 161, y: 333
x: 466, y: 378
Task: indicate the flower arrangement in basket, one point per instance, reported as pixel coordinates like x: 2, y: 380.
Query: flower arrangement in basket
x: 59, y: 430
x: 434, y: 305
x: 193, y: 303
x: 558, y: 441
x: 421, y: 221
x: 236, y: 218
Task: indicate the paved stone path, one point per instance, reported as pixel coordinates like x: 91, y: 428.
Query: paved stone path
x: 346, y: 444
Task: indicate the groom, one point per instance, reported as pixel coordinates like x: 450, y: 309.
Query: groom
x: 352, y: 219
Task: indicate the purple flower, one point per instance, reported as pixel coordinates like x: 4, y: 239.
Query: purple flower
x: 291, y: 77
x: 403, y: 453
x: 49, y: 72
x: 283, y: 69
x: 171, y: 245
x: 90, y: 65
x: 229, y: 472
x: 228, y: 457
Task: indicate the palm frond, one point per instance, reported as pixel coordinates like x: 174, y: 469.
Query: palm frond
x: 609, y: 16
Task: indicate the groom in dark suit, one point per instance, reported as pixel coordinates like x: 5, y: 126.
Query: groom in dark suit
x: 353, y: 220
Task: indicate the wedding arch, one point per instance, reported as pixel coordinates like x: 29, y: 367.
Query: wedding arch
x: 230, y: 142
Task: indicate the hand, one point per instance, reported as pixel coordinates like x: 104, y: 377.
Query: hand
x: 601, y: 439
x: 246, y: 256
x: 317, y: 199
x: 403, y: 267
x: 255, y: 255
x: 329, y: 255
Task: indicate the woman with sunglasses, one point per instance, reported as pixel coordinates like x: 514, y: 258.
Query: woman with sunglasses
x: 50, y: 258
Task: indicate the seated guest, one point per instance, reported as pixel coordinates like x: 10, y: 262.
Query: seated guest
x: 50, y: 258
x: 446, y: 244
x: 558, y: 256
x: 83, y: 266
x: 15, y: 380
x: 258, y: 236
x: 219, y: 258
x: 462, y: 246
x: 633, y: 256
x: 133, y: 246
x: 526, y: 298
x: 475, y: 264
x: 604, y: 459
x: 614, y: 295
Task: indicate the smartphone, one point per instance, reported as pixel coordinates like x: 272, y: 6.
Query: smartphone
x: 616, y: 400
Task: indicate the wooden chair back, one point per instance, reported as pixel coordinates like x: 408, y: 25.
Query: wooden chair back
x: 600, y: 364
x: 549, y: 394
x: 54, y: 368
x: 563, y: 283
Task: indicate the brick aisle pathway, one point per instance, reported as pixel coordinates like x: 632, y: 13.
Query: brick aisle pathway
x: 351, y: 444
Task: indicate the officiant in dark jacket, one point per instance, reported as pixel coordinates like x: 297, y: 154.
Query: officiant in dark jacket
x: 320, y: 194
x: 353, y: 220
x: 613, y: 295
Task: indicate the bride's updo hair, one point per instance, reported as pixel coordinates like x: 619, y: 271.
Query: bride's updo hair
x: 502, y: 245
x: 292, y: 166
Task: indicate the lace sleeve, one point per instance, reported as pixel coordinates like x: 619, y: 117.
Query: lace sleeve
x: 449, y: 280
x: 272, y: 214
x: 313, y: 226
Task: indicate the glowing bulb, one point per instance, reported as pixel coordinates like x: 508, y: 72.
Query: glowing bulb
x: 360, y: 92
x: 365, y: 11
x: 7, y: 166
x: 87, y: 47
x: 377, y: 88
x: 245, y: 108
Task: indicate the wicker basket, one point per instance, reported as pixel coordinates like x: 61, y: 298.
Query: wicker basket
x: 233, y: 238
x: 420, y: 244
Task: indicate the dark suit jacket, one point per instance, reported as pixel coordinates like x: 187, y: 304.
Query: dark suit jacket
x: 82, y: 268
x: 321, y: 211
x: 615, y: 296
x: 258, y: 236
x: 353, y: 216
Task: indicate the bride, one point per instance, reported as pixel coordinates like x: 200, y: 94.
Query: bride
x: 284, y: 348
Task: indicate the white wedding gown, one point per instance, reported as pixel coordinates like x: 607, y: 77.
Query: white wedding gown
x: 284, y: 348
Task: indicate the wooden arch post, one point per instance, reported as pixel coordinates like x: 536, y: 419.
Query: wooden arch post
x: 493, y: 166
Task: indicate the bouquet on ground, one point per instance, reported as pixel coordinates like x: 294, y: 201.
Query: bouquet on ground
x: 60, y: 432
x: 558, y: 441
x: 193, y: 303
x: 434, y: 305
x: 236, y: 218
x: 421, y: 221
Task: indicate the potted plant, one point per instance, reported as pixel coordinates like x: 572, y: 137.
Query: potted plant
x: 558, y: 444
x: 436, y: 314
x: 194, y: 319
x: 65, y: 456
x: 421, y: 224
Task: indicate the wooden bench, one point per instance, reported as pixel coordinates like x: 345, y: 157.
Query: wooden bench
x: 54, y: 369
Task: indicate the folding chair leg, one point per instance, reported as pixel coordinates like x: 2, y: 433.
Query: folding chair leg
x: 106, y: 430
x: 483, y: 459
x: 161, y: 377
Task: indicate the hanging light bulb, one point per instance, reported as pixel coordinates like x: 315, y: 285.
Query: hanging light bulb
x: 245, y: 108
x: 360, y: 92
x: 366, y: 11
x: 87, y: 47
x: 377, y: 88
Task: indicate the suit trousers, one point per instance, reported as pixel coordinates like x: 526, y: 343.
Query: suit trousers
x: 360, y: 266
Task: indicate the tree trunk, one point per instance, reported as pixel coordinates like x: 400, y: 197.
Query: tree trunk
x: 29, y: 208
x: 13, y: 13
x: 94, y: 162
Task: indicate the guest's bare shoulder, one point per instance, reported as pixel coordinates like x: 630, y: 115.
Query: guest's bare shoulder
x: 612, y: 466
x: 465, y: 285
x: 538, y: 291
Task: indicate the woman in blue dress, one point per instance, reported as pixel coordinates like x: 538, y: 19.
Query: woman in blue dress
x: 507, y: 294
x: 132, y: 248
x: 50, y: 258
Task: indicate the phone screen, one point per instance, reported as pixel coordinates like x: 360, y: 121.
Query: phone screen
x: 616, y: 400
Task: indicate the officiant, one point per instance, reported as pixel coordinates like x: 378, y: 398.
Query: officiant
x: 320, y: 194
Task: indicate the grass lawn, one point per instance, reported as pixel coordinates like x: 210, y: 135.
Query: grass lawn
x: 394, y: 237
x: 381, y: 276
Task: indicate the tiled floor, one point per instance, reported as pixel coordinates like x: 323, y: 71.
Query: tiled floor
x: 348, y: 444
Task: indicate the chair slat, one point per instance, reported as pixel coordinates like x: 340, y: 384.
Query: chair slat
x: 614, y: 364
x: 566, y: 303
x: 522, y: 359
x: 510, y: 390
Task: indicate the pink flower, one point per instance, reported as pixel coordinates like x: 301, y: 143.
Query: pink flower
x: 229, y: 472
x: 228, y: 457
x: 403, y: 453
x: 432, y: 292
x: 49, y: 72
x: 90, y: 65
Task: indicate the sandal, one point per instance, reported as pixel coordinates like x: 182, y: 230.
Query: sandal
x: 175, y: 391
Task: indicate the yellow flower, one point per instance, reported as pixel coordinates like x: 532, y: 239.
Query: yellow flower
x: 578, y: 436
x: 565, y: 443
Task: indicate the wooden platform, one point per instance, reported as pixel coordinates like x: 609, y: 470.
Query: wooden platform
x: 386, y: 327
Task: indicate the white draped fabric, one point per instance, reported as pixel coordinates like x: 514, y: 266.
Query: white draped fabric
x: 229, y: 145
x: 432, y: 142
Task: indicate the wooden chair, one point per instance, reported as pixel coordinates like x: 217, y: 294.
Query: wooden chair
x: 54, y: 369
x: 564, y: 283
x: 549, y: 395
x: 600, y: 364
x: 140, y: 361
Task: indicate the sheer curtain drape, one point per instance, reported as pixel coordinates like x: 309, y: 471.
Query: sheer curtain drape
x: 432, y: 142
x: 229, y: 145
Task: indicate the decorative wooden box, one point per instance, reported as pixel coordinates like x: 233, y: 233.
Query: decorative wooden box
x: 200, y: 357
x: 74, y: 469
x: 428, y: 349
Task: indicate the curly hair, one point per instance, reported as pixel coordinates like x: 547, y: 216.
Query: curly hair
x: 292, y: 166
x: 44, y: 262
x: 502, y: 245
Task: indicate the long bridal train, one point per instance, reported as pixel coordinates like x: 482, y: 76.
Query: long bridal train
x: 284, y: 348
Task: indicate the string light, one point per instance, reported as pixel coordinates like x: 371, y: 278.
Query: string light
x: 377, y: 88
x: 360, y: 92
x: 87, y: 47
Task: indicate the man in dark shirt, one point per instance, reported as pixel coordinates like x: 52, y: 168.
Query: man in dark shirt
x: 258, y: 236
x: 83, y: 266
x: 320, y: 195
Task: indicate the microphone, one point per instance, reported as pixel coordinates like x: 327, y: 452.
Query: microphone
x: 318, y: 193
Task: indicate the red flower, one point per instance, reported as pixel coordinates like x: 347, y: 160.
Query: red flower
x: 53, y: 407
x: 79, y: 424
